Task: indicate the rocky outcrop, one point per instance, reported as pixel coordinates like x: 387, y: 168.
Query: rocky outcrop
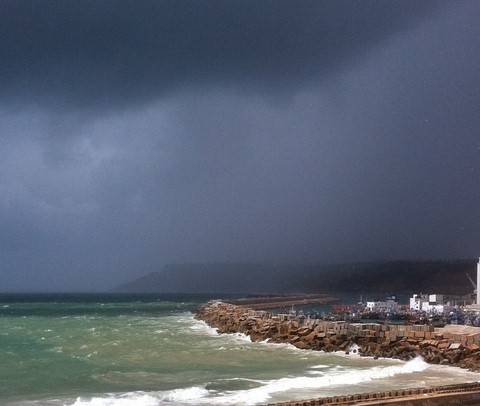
x: 438, y: 346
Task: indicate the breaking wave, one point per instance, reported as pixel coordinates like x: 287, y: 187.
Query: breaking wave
x: 263, y: 393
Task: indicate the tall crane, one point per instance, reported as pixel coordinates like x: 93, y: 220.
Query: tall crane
x: 473, y: 283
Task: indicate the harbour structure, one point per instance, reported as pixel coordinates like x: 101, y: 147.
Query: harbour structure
x: 476, y: 307
x: 436, y: 303
x: 450, y: 345
x: 478, y: 281
x: 430, y: 303
x: 390, y: 305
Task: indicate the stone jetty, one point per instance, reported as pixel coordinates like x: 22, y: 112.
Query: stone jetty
x: 452, y: 345
x: 272, y: 302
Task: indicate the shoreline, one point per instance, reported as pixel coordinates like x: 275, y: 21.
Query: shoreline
x: 451, y: 345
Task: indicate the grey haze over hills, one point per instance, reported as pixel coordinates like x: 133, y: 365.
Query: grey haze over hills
x: 448, y: 277
x: 138, y: 133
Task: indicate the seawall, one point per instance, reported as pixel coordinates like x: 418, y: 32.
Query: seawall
x: 449, y: 395
x: 451, y: 345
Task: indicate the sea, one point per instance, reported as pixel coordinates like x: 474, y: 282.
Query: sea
x: 149, y: 350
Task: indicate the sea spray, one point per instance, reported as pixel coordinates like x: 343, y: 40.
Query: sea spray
x: 265, y: 390
x: 155, y: 353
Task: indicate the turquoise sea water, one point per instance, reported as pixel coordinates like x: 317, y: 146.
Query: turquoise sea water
x: 147, y: 350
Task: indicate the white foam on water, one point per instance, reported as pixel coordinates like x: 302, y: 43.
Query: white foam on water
x: 175, y: 396
x: 353, y: 349
x: 270, y: 388
x: 239, y: 337
x: 321, y: 366
x: 131, y: 399
x: 201, y: 327
x: 184, y: 395
x: 198, y: 395
x: 323, y: 369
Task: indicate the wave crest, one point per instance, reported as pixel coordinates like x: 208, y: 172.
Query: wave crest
x: 199, y: 395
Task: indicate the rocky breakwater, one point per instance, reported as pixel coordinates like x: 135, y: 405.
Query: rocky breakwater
x: 452, y: 345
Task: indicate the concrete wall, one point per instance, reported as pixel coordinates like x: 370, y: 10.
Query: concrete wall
x: 463, y: 394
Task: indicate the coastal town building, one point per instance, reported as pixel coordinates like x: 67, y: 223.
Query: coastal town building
x: 429, y: 303
x: 416, y: 301
x: 437, y: 303
x: 390, y: 305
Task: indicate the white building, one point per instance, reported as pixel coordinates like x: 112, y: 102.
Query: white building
x: 435, y: 308
x: 388, y: 306
x: 431, y: 303
x: 417, y: 300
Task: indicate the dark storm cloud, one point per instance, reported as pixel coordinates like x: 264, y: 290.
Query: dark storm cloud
x: 105, y: 53
x: 135, y: 134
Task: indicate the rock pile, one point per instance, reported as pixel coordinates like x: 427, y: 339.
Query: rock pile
x: 436, y: 346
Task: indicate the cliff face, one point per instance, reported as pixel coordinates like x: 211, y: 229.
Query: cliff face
x: 448, y: 277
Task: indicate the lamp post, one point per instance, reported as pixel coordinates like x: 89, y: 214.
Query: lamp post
x: 478, y: 281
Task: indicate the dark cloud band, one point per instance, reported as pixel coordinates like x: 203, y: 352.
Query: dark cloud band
x: 98, y: 53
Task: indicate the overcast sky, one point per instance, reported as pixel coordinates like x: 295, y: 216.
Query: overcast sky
x: 135, y: 134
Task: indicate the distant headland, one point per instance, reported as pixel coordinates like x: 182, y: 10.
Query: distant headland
x: 445, y: 276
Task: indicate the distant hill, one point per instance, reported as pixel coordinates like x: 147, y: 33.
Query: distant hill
x: 448, y: 277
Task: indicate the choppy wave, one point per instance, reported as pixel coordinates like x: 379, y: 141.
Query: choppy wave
x: 264, y: 392
x: 176, y: 396
x: 157, y: 354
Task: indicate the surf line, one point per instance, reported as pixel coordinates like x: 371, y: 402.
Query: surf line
x: 445, y: 346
